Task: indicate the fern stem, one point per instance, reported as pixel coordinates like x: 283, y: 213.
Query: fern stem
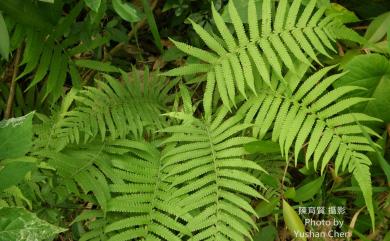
x: 216, y: 176
x: 11, y: 95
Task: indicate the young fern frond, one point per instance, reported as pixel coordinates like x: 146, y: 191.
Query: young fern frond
x: 320, y: 118
x: 211, y: 176
x: 116, y: 110
x: 143, y: 198
x: 280, y: 41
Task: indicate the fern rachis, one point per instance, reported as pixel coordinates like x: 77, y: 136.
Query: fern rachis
x: 210, y: 175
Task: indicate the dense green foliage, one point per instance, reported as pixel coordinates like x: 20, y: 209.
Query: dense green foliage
x: 123, y: 123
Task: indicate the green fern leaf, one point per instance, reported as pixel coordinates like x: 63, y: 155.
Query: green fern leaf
x: 211, y: 177
x: 114, y: 110
x: 291, y: 35
x: 313, y: 115
x: 144, y: 198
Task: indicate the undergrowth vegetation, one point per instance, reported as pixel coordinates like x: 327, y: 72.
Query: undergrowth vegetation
x: 253, y: 120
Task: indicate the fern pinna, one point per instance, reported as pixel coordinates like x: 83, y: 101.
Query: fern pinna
x: 211, y: 175
x: 245, y: 61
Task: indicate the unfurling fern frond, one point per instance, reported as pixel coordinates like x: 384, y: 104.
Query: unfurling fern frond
x: 291, y: 36
x: 320, y: 118
x: 211, y: 176
x: 143, y: 198
x: 115, y: 110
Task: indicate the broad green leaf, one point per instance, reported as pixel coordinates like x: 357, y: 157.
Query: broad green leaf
x: 21, y: 225
x: 388, y: 39
x: 290, y: 193
x: 4, y: 38
x: 378, y: 28
x: 47, y: 1
x: 13, y: 172
x: 344, y: 15
x: 308, y: 190
x: 15, y: 136
x: 126, y: 11
x: 96, y: 65
x: 267, y: 233
x: 373, y: 73
x: 264, y: 208
x: 270, y: 180
x: 263, y: 147
x: 348, y: 56
x: 293, y: 222
x: 93, y: 4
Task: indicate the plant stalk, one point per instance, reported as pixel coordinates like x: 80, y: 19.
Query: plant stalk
x: 11, y: 96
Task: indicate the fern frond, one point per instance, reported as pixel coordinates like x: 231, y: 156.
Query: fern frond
x: 144, y: 197
x: 87, y: 167
x: 313, y: 115
x: 211, y: 176
x: 291, y: 36
x: 113, y: 110
x: 309, y: 113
